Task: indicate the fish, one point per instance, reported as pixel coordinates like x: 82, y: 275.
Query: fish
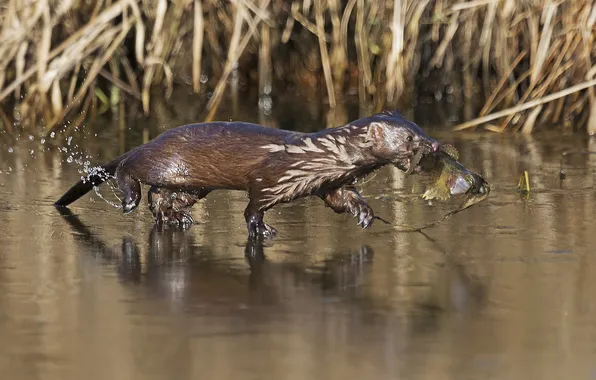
x: 450, y: 177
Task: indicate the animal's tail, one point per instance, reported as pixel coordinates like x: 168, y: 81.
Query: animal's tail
x: 86, y: 184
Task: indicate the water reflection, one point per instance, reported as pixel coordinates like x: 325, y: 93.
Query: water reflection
x: 174, y: 262
x: 192, y: 306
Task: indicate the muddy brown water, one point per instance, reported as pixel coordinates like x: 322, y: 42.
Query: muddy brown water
x: 503, y: 290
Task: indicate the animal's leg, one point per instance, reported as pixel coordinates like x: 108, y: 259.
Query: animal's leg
x: 253, y: 214
x: 173, y: 207
x: 132, y: 191
x: 347, y: 199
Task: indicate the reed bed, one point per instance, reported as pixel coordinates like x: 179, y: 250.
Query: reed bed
x: 529, y: 62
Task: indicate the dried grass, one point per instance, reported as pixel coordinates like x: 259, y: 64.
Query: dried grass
x: 55, y: 54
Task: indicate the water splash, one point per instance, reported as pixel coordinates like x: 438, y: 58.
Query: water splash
x: 101, y: 196
x: 104, y: 175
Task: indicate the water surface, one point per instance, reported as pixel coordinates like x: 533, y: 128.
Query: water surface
x: 503, y: 290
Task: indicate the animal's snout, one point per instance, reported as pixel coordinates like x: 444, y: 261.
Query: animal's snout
x: 428, y: 145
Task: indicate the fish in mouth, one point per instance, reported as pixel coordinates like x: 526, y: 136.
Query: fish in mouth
x: 414, y: 162
x: 449, y: 176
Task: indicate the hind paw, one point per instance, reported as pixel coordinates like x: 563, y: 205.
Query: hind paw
x: 180, y: 218
x: 261, y: 230
x: 266, y: 231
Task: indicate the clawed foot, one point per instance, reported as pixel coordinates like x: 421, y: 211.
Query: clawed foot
x: 266, y: 231
x: 364, y: 214
x: 261, y: 230
x: 170, y: 207
x: 170, y: 217
x: 129, y: 204
x: 258, y: 228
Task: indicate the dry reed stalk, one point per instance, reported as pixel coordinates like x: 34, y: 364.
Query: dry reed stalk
x: 438, y: 57
x: 345, y: 19
x: 485, y: 38
x: 235, y: 50
x: 121, y: 85
x: 338, y: 53
x: 470, y: 4
x: 91, y: 75
x: 197, y: 45
x: 365, y: 74
x: 395, y: 81
x: 540, y: 53
x: 233, y: 55
x: 525, y: 106
x: 324, y: 53
x: 505, y: 76
x: 303, y: 20
x: 265, y: 77
x: 75, y: 41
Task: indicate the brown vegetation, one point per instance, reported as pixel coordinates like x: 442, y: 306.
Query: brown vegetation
x: 64, y: 59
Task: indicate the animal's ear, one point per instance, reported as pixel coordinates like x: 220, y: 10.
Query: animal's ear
x: 375, y: 133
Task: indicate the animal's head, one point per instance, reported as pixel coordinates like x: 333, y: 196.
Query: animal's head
x: 395, y: 139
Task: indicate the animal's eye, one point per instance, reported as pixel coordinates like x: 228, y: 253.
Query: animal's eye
x: 409, y: 138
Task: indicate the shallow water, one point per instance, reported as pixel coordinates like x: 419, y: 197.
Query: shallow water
x: 502, y: 290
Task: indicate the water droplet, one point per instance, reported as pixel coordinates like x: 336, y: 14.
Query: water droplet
x: 68, y: 140
x: 69, y: 159
x: 52, y: 134
x: 43, y: 140
x: 32, y: 152
x: 10, y: 168
x: 204, y: 78
x: 10, y: 150
x: 31, y: 137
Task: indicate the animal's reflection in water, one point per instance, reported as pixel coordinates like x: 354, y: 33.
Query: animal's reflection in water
x: 172, y: 264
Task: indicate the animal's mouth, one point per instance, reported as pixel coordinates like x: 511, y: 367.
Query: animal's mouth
x: 411, y: 163
x: 414, y: 161
x: 418, y: 155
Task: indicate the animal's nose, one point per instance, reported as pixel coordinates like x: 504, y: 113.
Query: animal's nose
x: 435, y: 146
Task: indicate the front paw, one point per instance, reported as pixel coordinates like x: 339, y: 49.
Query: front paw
x: 365, y: 215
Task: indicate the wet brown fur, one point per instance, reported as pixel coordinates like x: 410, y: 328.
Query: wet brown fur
x: 184, y: 164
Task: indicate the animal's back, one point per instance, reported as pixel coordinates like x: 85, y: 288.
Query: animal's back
x: 212, y: 155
